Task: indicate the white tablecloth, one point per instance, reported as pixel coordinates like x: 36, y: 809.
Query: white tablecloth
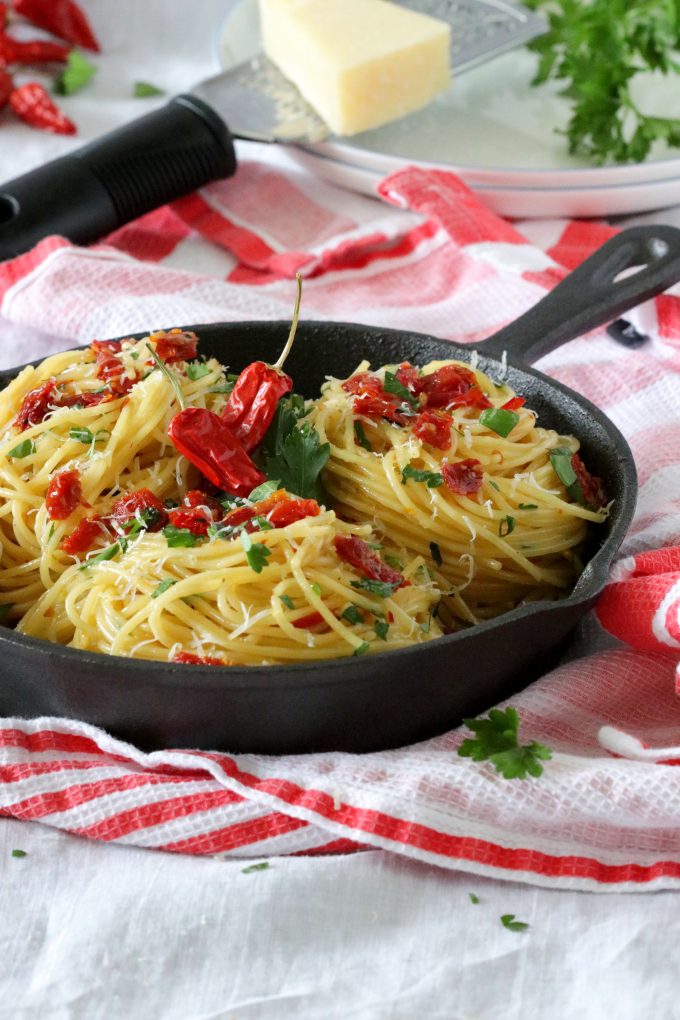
x: 94, y: 931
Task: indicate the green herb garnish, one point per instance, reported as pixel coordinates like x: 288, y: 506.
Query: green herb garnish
x: 300, y: 462
x: 180, y: 538
x: 105, y: 554
x: 163, y: 586
x: 197, y: 370
x: 361, y: 649
x: 499, y: 421
x: 393, y: 386
x: 255, y: 867
x: 506, y: 526
x: 88, y: 438
x: 496, y: 740
x: 561, y: 458
x: 528, y: 506
x: 263, y: 491
x: 23, y: 449
x: 382, y: 588
x: 432, y: 479
x: 393, y: 561
x: 287, y: 601
x: 75, y: 76
x: 144, y: 89
x: 508, y: 921
x: 256, y: 553
x: 353, y: 615
x: 381, y: 629
x: 170, y: 376
x: 361, y: 436
x: 19, y: 853
x: 473, y: 897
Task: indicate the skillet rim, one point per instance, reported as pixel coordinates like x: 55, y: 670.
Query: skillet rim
x: 588, y: 586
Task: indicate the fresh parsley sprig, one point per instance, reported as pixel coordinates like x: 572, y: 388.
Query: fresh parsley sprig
x: 496, y: 740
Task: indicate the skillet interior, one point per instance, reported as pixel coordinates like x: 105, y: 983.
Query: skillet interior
x: 353, y: 704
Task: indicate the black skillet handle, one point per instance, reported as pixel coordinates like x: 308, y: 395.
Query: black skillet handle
x: 591, y: 295
x: 130, y: 171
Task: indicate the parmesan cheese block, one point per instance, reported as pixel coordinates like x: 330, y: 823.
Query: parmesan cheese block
x: 360, y: 63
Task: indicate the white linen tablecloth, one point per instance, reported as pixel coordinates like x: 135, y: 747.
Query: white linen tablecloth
x: 94, y: 931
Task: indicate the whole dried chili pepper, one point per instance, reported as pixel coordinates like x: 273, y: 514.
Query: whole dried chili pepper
x: 210, y: 445
x: 4, y: 15
x: 36, y: 51
x: 32, y: 104
x: 63, y: 18
x: 6, y: 87
x: 257, y: 391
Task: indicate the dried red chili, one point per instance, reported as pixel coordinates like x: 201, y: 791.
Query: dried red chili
x: 198, y: 660
x: 64, y: 493
x: 359, y: 555
x: 4, y: 14
x: 252, y: 402
x: 293, y: 510
x: 175, y: 345
x: 592, y: 487
x: 452, y: 386
x: 63, y: 18
x: 89, y: 398
x: 210, y: 445
x: 371, y: 400
x: 433, y: 428
x: 110, y: 368
x: 37, y: 405
x: 140, y: 504
x: 83, y: 537
x: 513, y: 404
x: 465, y: 477
x: 311, y: 620
x: 409, y: 377
x: 32, y: 104
x: 6, y: 87
x: 35, y: 51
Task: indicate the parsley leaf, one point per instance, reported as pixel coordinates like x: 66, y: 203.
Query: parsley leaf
x: 163, y: 586
x: 23, y: 449
x: 353, y: 614
x: 528, y: 506
x: 506, y: 526
x: 361, y: 436
x: 561, y: 458
x: 508, y: 921
x: 262, y: 866
x: 300, y: 462
x: 433, y: 479
x: 197, y: 369
x: 500, y: 421
x: 289, y: 410
x: 257, y: 554
x: 180, y: 538
x: 287, y: 601
x: 264, y: 490
x: 144, y: 89
x: 496, y: 740
x: 105, y: 554
x: 381, y: 629
x: 393, y: 561
x: 170, y: 376
x: 473, y: 897
x: 75, y: 76
x: 19, y: 853
x: 85, y: 436
x: 392, y: 385
x: 361, y: 649
x: 382, y: 588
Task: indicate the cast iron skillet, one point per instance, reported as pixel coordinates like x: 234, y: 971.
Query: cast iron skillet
x: 378, y: 701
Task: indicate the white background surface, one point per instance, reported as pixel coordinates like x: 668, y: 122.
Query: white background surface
x: 94, y: 931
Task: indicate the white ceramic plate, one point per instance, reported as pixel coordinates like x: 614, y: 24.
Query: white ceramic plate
x: 497, y: 133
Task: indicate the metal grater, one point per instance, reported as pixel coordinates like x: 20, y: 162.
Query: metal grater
x: 482, y: 29
x: 261, y: 105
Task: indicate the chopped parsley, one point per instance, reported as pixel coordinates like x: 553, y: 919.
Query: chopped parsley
x: 508, y: 921
x: 393, y: 386
x: 75, y: 76
x: 163, y: 586
x: 361, y: 649
x: 494, y: 485
x: 197, y: 369
x: 19, y: 853
x: 381, y: 629
x: 436, y: 553
x: 561, y: 458
x: 88, y: 438
x: 263, y: 491
x: 262, y: 866
x: 528, y: 506
x: 256, y: 553
x: 145, y: 89
x: 382, y: 588
x: 105, y: 554
x: 287, y: 601
x: 316, y: 588
x: 506, y: 526
x: 500, y: 421
x: 180, y: 538
x: 353, y: 615
x: 496, y: 740
x: 23, y: 449
x: 473, y: 897
x: 393, y: 561
x: 170, y: 376
x: 361, y: 436
x: 432, y: 479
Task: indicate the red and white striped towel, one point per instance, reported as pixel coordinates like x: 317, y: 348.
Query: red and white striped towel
x: 606, y: 812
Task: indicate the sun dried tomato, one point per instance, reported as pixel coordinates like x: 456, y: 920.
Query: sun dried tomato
x: 592, y: 487
x: 193, y: 519
x: 37, y: 405
x: 109, y: 366
x: 64, y: 493
x: 311, y: 620
x: 196, y: 498
x: 176, y: 345
x: 452, y: 386
x: 84, y: 536
x: 409, y: 377
x: 465, y: 477
x: 513, y: 404
x: 88, y: 399
x: 364, y: 384
x: 359, y: 554
x: 379, y: 407
x: 198, y: 660
x: 140, y: 504
x: 433, y: 428
x: 293, y: 510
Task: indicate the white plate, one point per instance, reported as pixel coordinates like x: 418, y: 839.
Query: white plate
x: 497, y: 133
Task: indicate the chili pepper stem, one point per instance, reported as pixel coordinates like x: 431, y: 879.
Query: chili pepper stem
x: 171, y: 377
x: 293, y: 326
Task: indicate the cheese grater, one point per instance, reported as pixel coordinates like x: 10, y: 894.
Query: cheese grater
x: 185, y: 144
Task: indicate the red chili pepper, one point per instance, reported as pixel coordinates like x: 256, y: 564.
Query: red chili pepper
x: 433, y: 428
x: 176, y: 345
x: 36, y: 405
x: 409, y: 377
x: 36, y: 51
x: 198, y: 660
x: 88, y: 399
x: 4, y: 16
x: 63, y: 18
x: 133, y: 505
x: 359, y: 554
x: 592, y: 488
x: 196, y: 498
x: 465, y: 477
x: 6, y: 87
x: 364, y: 384
x: 252, y: 402
x: 311, y: 620
x: 452, y: 386
x: 293, y: 510
x: 32, y: 104
x: 64, y: 493
x: 513, y: 404
x: 84, y: 536
x: 109, y: 366
x: 371, y: 400
x: 210, y: 445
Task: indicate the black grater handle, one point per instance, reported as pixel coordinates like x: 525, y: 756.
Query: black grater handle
x: 134, y: 169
